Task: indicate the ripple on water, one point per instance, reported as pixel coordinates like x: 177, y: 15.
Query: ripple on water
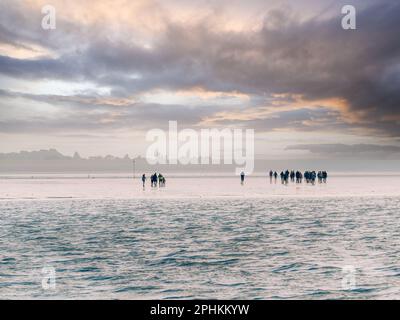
x: 256, y: 249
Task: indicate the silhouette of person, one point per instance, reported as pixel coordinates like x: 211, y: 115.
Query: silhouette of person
x: 143, y: 179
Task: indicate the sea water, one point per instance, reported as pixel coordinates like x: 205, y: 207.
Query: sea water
x: 200, y: 237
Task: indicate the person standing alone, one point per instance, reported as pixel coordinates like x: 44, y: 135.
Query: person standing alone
x: 242, y: 177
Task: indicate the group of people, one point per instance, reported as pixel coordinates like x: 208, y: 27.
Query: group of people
x: 294, y: 176
x: 155, y: 180
x: 309, y: 176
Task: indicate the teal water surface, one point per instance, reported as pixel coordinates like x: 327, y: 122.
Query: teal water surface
x: 279, y: 247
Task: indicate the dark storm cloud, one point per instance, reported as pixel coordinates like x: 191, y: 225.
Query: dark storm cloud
x: 315, y: 58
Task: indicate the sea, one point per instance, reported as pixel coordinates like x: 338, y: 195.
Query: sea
x: 199, y: 237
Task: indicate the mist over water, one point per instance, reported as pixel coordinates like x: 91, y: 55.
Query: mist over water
x: 200, y: 238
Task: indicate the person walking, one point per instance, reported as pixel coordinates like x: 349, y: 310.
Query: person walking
x: 144, y: 179
x: 242, y: 177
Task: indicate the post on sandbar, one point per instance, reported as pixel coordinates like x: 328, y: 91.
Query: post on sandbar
x: 134, y: 169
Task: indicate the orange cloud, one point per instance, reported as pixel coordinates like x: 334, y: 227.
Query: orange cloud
x: 25, y: 51
x: 285, y: 102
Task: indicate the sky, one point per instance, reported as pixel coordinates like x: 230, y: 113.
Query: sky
x: 113, y: 70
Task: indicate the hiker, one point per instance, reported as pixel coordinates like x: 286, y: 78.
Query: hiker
x: 286, y: 176
x: 298, y: 176
x: 292, y: 175
x: 313, y: 177
x: 154, y: 180
x: 143, y: 179
x: 161, y: 180
x: 324, y: 176
x: 319, y: 175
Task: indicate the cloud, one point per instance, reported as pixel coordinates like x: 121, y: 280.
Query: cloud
x: 283, y: 55
x: 98, y: 112
x: 92, y: 113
